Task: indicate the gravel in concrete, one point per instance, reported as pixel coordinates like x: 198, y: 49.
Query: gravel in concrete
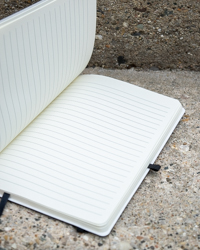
x: 148, y: 34
x: 156, y: 34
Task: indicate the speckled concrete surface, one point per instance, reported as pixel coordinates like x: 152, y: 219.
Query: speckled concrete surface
x: 165, y: 211
x: 138, y: 33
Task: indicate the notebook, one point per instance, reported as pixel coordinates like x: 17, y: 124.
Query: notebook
x: 73, y: 147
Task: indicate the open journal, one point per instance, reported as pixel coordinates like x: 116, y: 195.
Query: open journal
x: 73, y: 147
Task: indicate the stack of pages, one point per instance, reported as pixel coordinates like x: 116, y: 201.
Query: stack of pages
x: 73, y: 147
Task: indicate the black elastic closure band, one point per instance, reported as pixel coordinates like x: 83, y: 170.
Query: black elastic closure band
x: 3, y: 202
x: 80, y: 230
x: 154, y: 167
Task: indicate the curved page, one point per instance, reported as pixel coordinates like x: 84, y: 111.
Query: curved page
x: 83, y: 156
x: 42, y: 49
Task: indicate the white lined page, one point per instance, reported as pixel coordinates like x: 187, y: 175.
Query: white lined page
x: 42, y: 49
x: 86, y: 150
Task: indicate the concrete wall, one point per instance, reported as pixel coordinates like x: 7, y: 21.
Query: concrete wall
x: 155, y: 34
x: 163, y: 34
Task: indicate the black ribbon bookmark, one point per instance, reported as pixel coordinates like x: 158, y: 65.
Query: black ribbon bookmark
x: 154, y: 167
x: 3, y: 202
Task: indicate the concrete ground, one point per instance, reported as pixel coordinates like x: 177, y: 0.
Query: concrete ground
x: 165, y: 211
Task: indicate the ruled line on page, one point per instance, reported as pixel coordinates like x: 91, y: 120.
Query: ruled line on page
x: 5, y: 129
x: 75, y: 145
x: 62, y: 50
x: 57, y: 48
x: 27, y: 75
x: 103, y: 105
x: 73, y: 20
x: 71, y: 42
x: 68, y: 169
x: 39, y: 73
x: 121, y: 106
x: 87, y: 33
x: 54, y: 199
x: 48, y: 58
x: 101, y: 131
x: 59, y: 34
x: 16, y: 89
x: 110, y: 165
x: 75, y: 24
x: 160, y: 105
x: 37, y: 39
x: 53, y: 58
x: 86, y: 87
x: 22, y: 81
x: 79, y: 134
x: 56, y: 185
x: 10, y: 92
x: 80, y: 28
x: 6, y: 105
x: 72, y: 105
x: 100, y: 168
x: 81, y: 167
x: 117, y: 99
x: 133, y: 111
x: 60, y: 180
x: 67, y: 41
x: 101, y: 126
x: 44, y: 66
x: 67, y: 136
x: 53, y: 191
x: 84, y: 28
x: 33, y: 75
